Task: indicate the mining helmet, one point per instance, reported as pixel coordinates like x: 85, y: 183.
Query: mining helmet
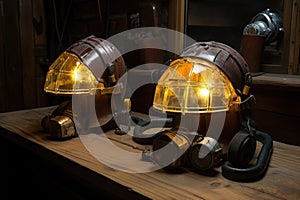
x: 89, y: 66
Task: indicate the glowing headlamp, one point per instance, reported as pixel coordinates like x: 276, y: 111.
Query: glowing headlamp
x: 68, y: 75
x: 192, y: 85
x: 90, y: 66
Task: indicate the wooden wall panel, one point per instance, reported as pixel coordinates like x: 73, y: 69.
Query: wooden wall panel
x: 27, y: 45
x: 280, y: 127
x: 294, y: 38
x: 2, y: 69
x: 22, y: 49
x: 13, y: 94
x: 40, y: 51
x: 277, y: 109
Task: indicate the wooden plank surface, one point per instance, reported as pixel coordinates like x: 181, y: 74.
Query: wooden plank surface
x: 282, y: 180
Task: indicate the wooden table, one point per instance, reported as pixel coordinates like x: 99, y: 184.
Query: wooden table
x: 73, y: 163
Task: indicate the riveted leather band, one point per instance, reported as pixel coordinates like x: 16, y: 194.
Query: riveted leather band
x: 227, y: 59
x: 98, y: 55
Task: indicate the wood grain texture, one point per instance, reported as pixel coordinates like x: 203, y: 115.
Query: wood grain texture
x: 282, y: 180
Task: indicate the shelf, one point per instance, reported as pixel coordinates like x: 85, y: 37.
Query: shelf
x: 282, y: 80
x: 277, y: 109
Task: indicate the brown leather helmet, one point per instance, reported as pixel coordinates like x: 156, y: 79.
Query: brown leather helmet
x: 207, y: 77
x: 90, y: 66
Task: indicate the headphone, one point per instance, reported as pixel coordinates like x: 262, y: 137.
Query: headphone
x: 242, y: 149
x: 200, y: 153
x: 105, y: 62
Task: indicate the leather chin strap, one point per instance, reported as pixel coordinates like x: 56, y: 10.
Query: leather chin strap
x: 247, y: 123
x: 247, y: 103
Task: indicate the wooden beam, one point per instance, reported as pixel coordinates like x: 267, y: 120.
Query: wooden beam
x: 297, y: 41
x: 294, y: 41
x: 176, y: 22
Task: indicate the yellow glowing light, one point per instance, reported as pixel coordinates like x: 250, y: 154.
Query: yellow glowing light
x: 192, y: 85
x: 204, y: 92
x: 76, y: 74
x: 68, y: 75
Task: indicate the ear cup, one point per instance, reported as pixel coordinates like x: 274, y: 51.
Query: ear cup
x: 241, y: 149
x: 251, y: 173
x: 205, y: 154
